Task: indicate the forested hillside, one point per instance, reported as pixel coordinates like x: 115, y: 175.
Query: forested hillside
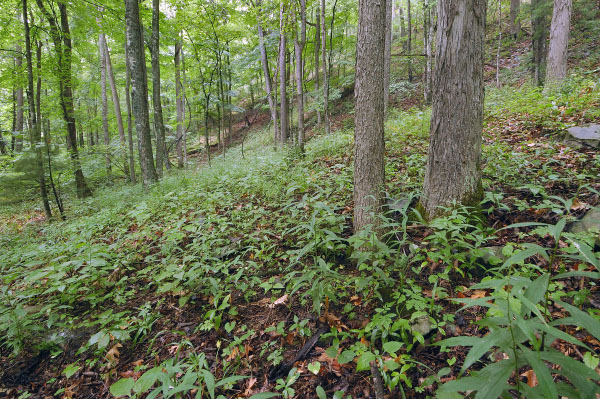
x: 299, y: 199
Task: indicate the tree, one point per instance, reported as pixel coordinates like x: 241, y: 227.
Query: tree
x: 139, y: 94
x: 559, y: 41
x: 159, y: 125
x: 104, y: 99
x: 538, y: 40
x: 453, y: 172
x: 299, y: 48
x: 325, y: 70
x: 132, y: 178
x: 369, y: 172
x: 387, y: 56
x: 283, y: 77
x: 178, y: 103
x: 515, y: 20
x: 18, y: 147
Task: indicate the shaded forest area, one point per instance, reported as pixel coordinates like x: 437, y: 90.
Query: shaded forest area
x: 299, y: 199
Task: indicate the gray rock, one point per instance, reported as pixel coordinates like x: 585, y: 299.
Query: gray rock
x: 589, y: 223
x: 422, y: 325
x: 583, y: 136
x: 398, y: 205
x: 492, y: 255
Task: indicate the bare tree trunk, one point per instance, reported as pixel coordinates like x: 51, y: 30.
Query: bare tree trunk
x: 299, y: 48
x: 409, y: 42
x: 116, y: 104
x: 325, y: 70
x: 183, y: 105
x: 369, y: 147
x: 20, y: 102
x: 178, y: 104
x: 283, y: 77
x: 103, y: 96
x: 35, y: 130
x: 515, y: 20
x: 159, y: 125
x: 129, y: 123
x: 387, y: 59
x: 267, y: 74
x: 499, y: 43
x: 559, y: 41
x: 136, y: 61
x: 317, y: 51
x: 429, y: 53
x: 538, y: 38
x: 402, y: 23
x: 453, y: 172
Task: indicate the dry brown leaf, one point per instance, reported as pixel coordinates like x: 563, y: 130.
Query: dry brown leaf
x: 279, y: 301
x: 251, y: 382
x: 355, y: 300
x: 531, y: 378
x: 235, y: 352
x: 478, y: 294
x: 113, y: 355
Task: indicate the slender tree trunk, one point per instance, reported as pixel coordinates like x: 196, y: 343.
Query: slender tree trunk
x: 317, y: 51
x: 183, y: 99
x: 283, y: 77
x: 299, y: 48
x: 104, y: 97
x: 453, y: 172
x: 538, y: 38
x: 116, y: 104
x: 559, y: 41
x: 387, y: 59
x: 129, y: 123
x: 159, y: 125
x: 137, y: 64
x: 515, y: 20
x: 409, y: 42
x: 369, y: 147
x: 499, y: 43
x: 34, y: 125
x: 402, y: 24
x: 20, y: 102
x: 325, y: 70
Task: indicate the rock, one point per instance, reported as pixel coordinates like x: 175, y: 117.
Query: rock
x: 583, y: 136
x: 588, y: 223
x: 398, y: 206
x: 422, y: 325
x: 492, y: 256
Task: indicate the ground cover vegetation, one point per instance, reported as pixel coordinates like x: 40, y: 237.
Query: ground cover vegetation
x: 242, y: 265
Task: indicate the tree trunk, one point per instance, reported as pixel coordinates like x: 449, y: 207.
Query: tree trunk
x: 299, y: 48
x: 453, y: 172
x: 402, y: 23
x: 34, y: 126
x: 20, y: 102
x: 325, y: 70
x: 104, y: 97
x: 137, y: 64
x: 559, y: 41
x: 183, y: 83
x: 283, y: 77
x: 538, y: 38
x: 116, y: 104
x: 515, y: 20
x: 317, y: 51
x: 159, y: 125
x: 387, y: 56
x: 129, y: 122
x: 429, y: 53
x: 369, y: 148
x: 409, y: 42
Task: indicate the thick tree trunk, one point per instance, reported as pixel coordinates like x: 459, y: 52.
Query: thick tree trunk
x: 369, y: 148
x: 34, y: 125
x: 559, y: 41
x: 104, y: 98
x: 515, y: 20
x: 116, y: 103
x: 159, y: 125
x: 453, y: 172
x: 20, y: 103
x: 538, y: 39
x: 136, y: 61
x: 387, y: 60
x: 317, y: 51
x: 129, y: 123
x: 325, y: 69
x: 283, y: 77
x: 299, y: 48
x: 267, y: 75
x: 409, y: 42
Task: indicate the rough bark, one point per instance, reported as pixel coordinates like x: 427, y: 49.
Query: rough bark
x: 409, y: 42
x: 34, y: 125
x: 299, y: 48
x: 515, y: 20
x: 369, y: 172
x: 104, y: 99
x: 325, y: 70
x: 559, y: 41
x: 178, y: 104
x: 129, y: 123
x: 387, y: 56
x: 20, y: 102
x: 139, y: 93
x: 453, y: 172
x: 283, y: 77
x: 183, y: 100
x: 429, y: 54
x: 159, y: 125
x: 317, y: 51
x: 538, y: 39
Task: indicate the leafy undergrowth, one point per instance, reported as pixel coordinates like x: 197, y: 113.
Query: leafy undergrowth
x: 211, y: 283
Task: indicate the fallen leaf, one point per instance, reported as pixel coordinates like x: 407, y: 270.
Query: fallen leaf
x: 113, y: 355
x: 531, y: 378
x: 279, y: 301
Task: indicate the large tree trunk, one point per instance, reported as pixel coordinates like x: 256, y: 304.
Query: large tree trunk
x: 429, y: 53
x: 137, y: 64
x: 317, y: 51
x: 104, y: 98
x: 20, y: 103
x: 325, y: 69
x: 159, y: 125
x: 387, y: 60
x: 453, y: 171
x: 515, y: 20
x: 116, y: 103
x: 129, y: 122
x: 178, y: 103
x: 299, y: 48
x: 559, y: 41
x: 34, y: 126
x: 409, y: 42
x: 283, y: 77
x: 369, y: 148
x: 538, y: 39
x: 267, y: 74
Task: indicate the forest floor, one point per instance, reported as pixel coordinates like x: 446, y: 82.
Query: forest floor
x: 244, y: 278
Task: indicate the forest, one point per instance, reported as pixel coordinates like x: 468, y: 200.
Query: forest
x: 323, y: 199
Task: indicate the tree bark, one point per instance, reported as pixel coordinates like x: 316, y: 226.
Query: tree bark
x: 299, y: 48
x: 34, y: 125
x: 453, y: 173
x: 538, y: 38
x: 409, y: 42
x: 515, y: 20
x: 159, y: 125
x: 20, y: 101
x: 137, y: 63
x: 325, y: 70
x: 429, y: 52
x: 104, y: 99
x: 317, y: 51
x: 178, y: 103
x: 387, y: 60
x: 283, y: 77
x: 369, y: 148
x: 559, y: 42
x: 132, y: 178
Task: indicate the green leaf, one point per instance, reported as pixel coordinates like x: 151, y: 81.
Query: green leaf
x: 586, y: 252
x: 579, y: 318
x: 264, y: 395
x: 230, y: 380
x: 590, y: 360
x: 535, y: 292
x: 314, y: 367
x: 546, y: 383
x: 346, y: 356
x: 122, y: 387
x: 321, y: 393
x: 70, y: 370
x: 147, y: 380
x: 520, y: 256
x: 364, y: 361
x: 392, y: 346
x: 209, y: 380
